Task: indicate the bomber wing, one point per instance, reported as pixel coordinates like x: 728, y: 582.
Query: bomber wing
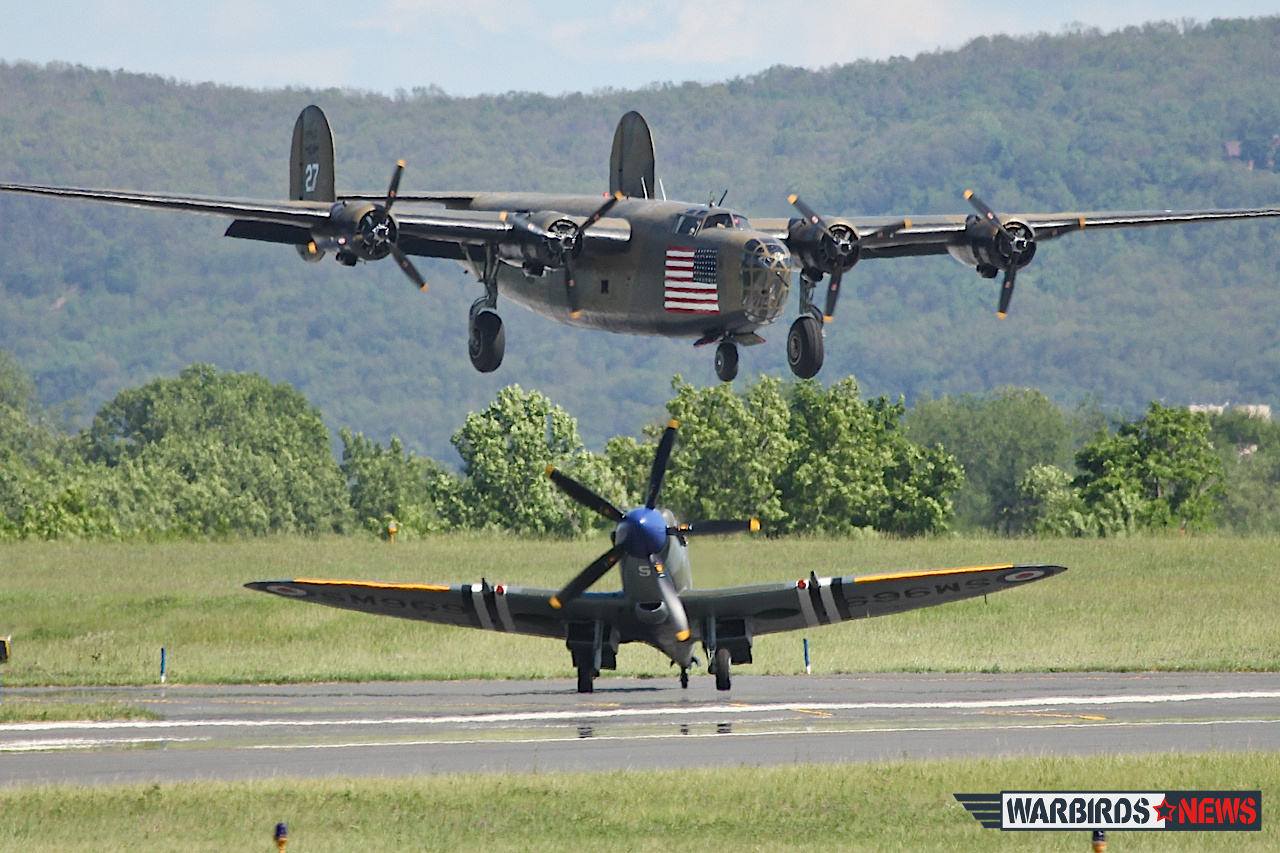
x: 512, y: 609
x: 809, y: 602
x: 896, y: 236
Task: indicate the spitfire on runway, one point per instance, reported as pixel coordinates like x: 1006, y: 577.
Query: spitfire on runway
x: 626, y: 261
x: 658, y: 605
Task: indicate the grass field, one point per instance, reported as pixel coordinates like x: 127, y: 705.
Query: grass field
x: 98, y: 613
x: 873, y: 807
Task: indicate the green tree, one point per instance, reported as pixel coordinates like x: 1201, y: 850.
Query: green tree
x: 1152, y: 473
x: 505, y: 451
x: 1249, y: 447
x: 224, y: 452
x: 852, y: 466
x: 997, y: 438
x: 388, y: 484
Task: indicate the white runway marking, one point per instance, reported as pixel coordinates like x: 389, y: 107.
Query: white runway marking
x: 824, y: 731
x: 667, y: 710
x: 46, y: 744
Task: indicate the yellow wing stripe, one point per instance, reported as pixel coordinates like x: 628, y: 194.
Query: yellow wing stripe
x: 894, y: 576
x: 429, y: 587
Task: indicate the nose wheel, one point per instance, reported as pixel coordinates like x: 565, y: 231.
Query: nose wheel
x: 804, y: 347
x: 727, y: 361
x: 486, y: 341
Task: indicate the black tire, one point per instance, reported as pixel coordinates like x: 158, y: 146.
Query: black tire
x: 586, y: 679
x: 722, y: 668
x: 487, y: 342
x: 804, y: 347
x: 684, y: 678
x: 727, y: 361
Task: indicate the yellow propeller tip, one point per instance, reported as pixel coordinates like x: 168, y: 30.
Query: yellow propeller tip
x: 400, y: 163
x: 555, y: 603
x: 906, y: 223
x: 968, y: 193
x: 550, y: 468
x: 682, y: 635
x: 1000, y: 315
x: 502, y: 217
x: 575, y: 314
x: 424, y: 287
x: 675, y: 424
x: 617, y: 194
x: 755, y: 525
x: 791, y: 199
x: 827, y: 318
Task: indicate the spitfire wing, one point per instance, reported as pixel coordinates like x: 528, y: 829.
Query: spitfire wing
x: 516, y: 610
x: 813, y: 601
x: 888, y: 237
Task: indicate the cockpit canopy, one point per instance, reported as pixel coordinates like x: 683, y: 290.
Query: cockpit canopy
x: 694, y: 220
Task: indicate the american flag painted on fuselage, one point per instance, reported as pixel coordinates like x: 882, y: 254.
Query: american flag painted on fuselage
x: 690, y: 284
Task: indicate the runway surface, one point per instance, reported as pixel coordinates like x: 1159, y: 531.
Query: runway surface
x: 395, y: 729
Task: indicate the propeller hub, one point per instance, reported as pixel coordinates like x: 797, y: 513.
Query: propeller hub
x: 642, y: 532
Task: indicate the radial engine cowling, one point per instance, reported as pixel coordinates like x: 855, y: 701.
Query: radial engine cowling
x: 548, y: 239
x: 831, y: 251
x: 358, y: 231
x: 992, y: 250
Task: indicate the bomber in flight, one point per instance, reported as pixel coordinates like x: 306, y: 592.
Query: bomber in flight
x: 626, y: 262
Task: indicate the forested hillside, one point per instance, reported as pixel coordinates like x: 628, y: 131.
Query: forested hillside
x: 96, y: 299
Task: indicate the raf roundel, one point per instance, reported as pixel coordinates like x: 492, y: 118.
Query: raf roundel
x: 1024, y: 575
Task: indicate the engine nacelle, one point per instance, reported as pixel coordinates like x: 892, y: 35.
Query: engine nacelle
x: 989, y: 250
x: 357, y: 231
x: 817, y: 250
x: 536, y: 251
x: 651, y: 612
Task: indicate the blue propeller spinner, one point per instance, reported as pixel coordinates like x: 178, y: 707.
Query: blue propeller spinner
x: 641, y: 533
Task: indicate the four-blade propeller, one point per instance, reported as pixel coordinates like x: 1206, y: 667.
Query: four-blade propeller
x: 641, y: 533
x: 842, y: 245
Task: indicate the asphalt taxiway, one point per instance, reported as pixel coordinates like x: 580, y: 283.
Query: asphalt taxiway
x: 395, y: 729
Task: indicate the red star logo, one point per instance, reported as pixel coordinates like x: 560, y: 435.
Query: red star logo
x: 1165, y: 810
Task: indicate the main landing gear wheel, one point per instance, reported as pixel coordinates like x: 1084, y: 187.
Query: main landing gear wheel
x: 684, y: 678
x: 804, y: 347
x: 721, y: 666
x: 486, y: 342
x: 586, y: 679
x: 727, y: 361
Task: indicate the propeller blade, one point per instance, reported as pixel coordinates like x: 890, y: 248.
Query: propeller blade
x: 1006, y: 292
x: 583, y: 495
x: 718, y: 527
x: 395, y: 185
x: 833, y: 294
x: 887, y: 231
x: 675, y: 607
x: 571, y: 289
x: 600, y: 212
x: 524, y: 224
x: 587, y: 577
x: 409, y: 269
x: 987, y: 213
x: 660, y: 460
x: 808, y: 213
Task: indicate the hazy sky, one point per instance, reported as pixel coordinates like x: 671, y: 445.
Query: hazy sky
x: 468, y: 47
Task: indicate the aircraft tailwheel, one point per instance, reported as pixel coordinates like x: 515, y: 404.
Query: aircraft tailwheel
x: 486, y: 342
x: 721, y: 664
x: 804, y: 347
x: 586, y: 679
x: 727, y: 361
